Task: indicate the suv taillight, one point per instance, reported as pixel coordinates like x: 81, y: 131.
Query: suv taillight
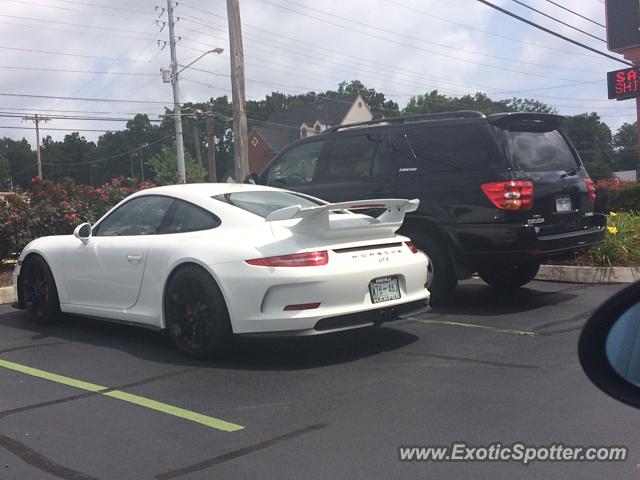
x: 591, y: 190
x: 512, y: 195
x: 309, y: 259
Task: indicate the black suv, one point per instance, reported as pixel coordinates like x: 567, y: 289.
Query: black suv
x: 498, y: 194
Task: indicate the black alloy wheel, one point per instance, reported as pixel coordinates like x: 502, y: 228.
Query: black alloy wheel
x: 196, y: 315
x: 39, y: 291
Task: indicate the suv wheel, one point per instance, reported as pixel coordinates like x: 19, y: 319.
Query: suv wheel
x: 509, y: 276
x: 441, y: 277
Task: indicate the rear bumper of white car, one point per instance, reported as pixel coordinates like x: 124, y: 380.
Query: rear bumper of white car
x: 257, y: 297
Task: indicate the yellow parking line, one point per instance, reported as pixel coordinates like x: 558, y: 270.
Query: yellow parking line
x: 474, y: 325
x: 125, y: 397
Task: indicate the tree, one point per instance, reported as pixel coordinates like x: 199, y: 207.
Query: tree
x: 625, y: 143
x: 22, y: 160
x: 164, y: 165
x: 67, y: 159
x: 5, y: 181
x: 592, y: 138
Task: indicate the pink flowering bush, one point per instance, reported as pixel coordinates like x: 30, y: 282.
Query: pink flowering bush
x: 56, y: 208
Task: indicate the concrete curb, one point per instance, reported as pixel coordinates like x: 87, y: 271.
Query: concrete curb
x: 6, y: 295
x: 570, y: 274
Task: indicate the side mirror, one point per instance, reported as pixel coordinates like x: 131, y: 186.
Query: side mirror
x: 252, y: 178
x: 609, y: 346
x: 83, y: 232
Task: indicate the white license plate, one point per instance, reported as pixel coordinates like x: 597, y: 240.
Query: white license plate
x: 384, y: 289
x: 563, y: 203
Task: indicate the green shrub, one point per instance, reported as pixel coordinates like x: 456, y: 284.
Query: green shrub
x: 621, y: 246
x: 615, y: 196
x: 55, y: 208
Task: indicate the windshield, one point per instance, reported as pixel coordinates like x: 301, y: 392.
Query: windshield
x: 262, y: 203
x: 540, y: 151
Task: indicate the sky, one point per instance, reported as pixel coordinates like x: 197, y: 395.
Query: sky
x: 100, y: 49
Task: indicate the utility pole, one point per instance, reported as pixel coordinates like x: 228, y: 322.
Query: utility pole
x: 36, y: 119
x: 240, y: 141
x: 176, y: 95
x: 140, y: 147
x: 196, y: 139
x: 212, y: 147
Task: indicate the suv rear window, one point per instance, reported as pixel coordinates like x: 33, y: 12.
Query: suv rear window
x: 539, y: 151
x: 263, y: 203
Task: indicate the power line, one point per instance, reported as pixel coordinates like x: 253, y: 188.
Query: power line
x: 120, y: 9
x: 78, y: 55
x: 571, y: 11
x: 484, y: 32
x: 437, y: 53
x: 559, y: 21
x: 82, y: 99
x: 551, y: 32
x: 61, y: 70
x: 53, y: 128
x: 33, y: 4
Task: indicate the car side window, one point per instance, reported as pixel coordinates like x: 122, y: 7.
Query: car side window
x: 452, y: 148
x: 140, y: 216
x: 297, y: 166
x: 186, y: 217
x: 356, y: 156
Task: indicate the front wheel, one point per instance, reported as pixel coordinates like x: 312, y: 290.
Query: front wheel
x: 39, y: 291
x: 196, y: 315
x: 509, y: 276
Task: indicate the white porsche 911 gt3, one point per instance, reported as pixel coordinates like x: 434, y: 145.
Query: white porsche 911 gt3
x: 206, y: 261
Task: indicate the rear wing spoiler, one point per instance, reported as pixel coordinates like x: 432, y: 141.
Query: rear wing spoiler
x: 318, y: 218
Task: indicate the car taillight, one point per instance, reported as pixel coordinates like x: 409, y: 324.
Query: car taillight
x: 591, y: 190
x: 411, y: 246
x: 512, y: 195
x: 309, y: 259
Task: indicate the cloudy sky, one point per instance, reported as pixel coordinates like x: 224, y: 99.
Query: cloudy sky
x: 113, y: 49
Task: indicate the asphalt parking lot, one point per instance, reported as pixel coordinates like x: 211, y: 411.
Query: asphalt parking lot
x: 485, y: 368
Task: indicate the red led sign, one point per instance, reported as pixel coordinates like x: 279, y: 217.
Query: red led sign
x: 623, y: 84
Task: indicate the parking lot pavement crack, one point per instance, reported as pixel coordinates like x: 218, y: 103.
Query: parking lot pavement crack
x: 30, y: 346
x: 71, y: 398
x: 471, y: 360
x: 225, y: 457
x: 39, y: 461
x: 576, y: 318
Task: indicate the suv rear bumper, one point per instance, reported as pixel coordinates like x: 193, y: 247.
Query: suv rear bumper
x: 522, y: 243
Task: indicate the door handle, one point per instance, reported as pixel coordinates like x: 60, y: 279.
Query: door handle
x: 134, y: 258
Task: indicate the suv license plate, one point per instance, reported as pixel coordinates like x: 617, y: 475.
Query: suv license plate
x: 563, y: 203
x: 384, y: 289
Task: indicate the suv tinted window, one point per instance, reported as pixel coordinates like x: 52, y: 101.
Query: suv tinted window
x: 539, y: 151
x: 453, y: 147
x: 185, y: 217
x: 355, y: 156
x: 140, y: 216
x: 297, y: 166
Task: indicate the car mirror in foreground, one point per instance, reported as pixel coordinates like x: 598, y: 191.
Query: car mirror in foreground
x: 83, y: 232
x: 609, y: 346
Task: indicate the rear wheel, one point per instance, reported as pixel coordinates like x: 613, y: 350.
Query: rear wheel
x: 509, y: 276
x: 441, y: 277
x: 39, y: 290
x: 196, y: 315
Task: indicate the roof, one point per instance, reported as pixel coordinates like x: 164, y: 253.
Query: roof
x: 329, y: 111
x: 626, y: 175
x: 278, y: 136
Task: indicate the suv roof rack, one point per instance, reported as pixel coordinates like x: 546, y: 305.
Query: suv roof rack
x: 410, y: 118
